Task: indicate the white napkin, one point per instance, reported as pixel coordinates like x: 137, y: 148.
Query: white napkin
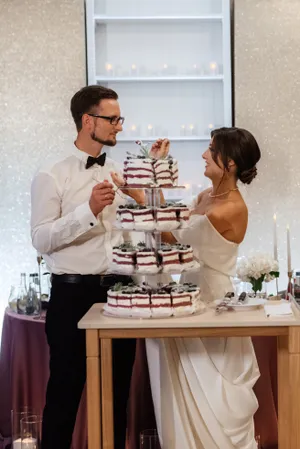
x: 283, y: 309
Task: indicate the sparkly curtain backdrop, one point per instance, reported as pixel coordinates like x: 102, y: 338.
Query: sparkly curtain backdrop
x: 42, y: 51
x: 267, y: 102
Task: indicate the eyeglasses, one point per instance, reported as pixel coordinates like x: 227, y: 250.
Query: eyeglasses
x: 112, y: 120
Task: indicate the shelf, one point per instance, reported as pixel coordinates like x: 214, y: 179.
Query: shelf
x: 99, y: 19
x: 172, y: 138
x: 130, y: 79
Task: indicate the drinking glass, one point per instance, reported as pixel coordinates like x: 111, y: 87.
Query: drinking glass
x: 149, y: 439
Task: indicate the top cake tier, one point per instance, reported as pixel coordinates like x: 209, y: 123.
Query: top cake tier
x: 144, y: 171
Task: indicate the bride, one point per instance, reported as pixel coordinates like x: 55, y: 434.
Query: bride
x: 202, y: 388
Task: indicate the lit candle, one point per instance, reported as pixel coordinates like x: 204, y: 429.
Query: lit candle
x: 25, y: 443
x: 210, y: 128
x: 133, y: 130
x: 213, y: 67
x: 150, y: 130
x: 165, y: 69
x: 289, y: 258
x: 109, y: 69
x: 195, y: 68
x: 191, y: 128
x: 182, y: 130
x: 133, y: 69
x: 275, y: 238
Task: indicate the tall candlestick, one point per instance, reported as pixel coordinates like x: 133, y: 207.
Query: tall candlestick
x: 275, y: 238
x: 289, y: 258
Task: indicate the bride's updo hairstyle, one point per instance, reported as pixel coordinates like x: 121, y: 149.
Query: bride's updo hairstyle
x: 239, y: 145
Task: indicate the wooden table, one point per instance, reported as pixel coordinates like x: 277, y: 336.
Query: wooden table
x: 100, y: 330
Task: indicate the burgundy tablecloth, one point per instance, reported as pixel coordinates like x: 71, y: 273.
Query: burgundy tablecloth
x: 141, y: 412
x: 24, y: 372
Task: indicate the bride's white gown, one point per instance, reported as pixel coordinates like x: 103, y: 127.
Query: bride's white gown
x: 202, y: 387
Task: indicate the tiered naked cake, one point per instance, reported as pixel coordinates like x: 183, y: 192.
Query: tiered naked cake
x: 152, y: 257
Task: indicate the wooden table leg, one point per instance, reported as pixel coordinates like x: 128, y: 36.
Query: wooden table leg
x: 107, y: 393
x: 294, y: 368
x: 284, y: 402
x: 289, y: 390
x: 93, y: 389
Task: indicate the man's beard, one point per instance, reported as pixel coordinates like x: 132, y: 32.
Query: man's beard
x: 109, y: 143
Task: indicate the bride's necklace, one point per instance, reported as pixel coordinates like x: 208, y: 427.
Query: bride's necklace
x: 222, y: 194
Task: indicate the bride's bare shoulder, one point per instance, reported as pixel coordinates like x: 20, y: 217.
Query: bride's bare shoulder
x: 230, y: 219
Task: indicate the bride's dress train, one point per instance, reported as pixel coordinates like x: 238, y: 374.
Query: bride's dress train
x: 202, y: 388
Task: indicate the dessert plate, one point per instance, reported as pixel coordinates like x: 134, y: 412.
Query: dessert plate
x: 247, y: 305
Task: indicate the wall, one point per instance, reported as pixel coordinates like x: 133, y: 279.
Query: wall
x: 42, y: 48
x: 267, y: 102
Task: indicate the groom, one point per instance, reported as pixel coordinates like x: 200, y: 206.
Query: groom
x: 73, y: 204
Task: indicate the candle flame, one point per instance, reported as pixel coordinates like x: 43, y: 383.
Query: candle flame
x: 133, y: 128
x: 150, y: 127
x: 108, y: 66
x: 133, y: 66
x: 213, y: 65
x: 274, y: 217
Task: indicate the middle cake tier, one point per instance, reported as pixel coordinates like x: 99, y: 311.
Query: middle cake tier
x: 166, y: 217
x: 140, y: 259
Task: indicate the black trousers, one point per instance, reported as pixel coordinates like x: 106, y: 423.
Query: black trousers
x: 68, y: 303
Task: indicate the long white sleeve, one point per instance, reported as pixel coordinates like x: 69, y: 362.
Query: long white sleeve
x: 49, y: 230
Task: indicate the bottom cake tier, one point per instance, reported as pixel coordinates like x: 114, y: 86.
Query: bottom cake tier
x: 143, y: 301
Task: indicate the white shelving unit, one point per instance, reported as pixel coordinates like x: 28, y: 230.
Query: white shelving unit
x: 170, y: 63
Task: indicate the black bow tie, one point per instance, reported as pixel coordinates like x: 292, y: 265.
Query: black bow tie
x: 100, y: 160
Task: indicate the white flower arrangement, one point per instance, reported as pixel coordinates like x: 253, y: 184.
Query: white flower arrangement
x: 256, y: 269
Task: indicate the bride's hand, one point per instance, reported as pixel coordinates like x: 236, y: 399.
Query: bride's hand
x: 136, y: 194
x: 160, y: 149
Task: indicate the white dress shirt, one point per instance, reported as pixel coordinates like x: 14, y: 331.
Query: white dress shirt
x: 63, y: 228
